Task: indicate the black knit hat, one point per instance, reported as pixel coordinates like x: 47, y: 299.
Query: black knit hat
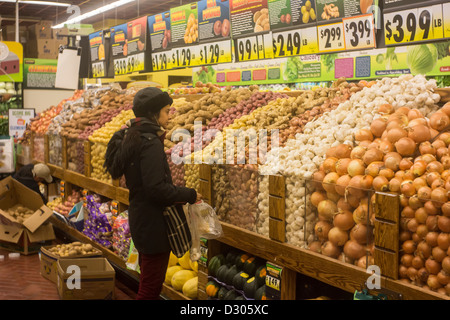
x: 150, y: 100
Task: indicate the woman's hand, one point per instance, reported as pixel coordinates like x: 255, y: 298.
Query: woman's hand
x: 199, y: 197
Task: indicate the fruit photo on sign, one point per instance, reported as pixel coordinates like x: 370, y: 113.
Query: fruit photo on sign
x: 261, y: 20
x: 365, y: 5
x: 308, y: 12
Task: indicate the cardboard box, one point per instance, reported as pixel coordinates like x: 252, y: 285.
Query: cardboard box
x: 97, y: 279
x: 48, y: 264
x: 59, y: 33
x: 28, y: 235
x: 9, y: 33
x: 41, y: 30
x: 46, y: 49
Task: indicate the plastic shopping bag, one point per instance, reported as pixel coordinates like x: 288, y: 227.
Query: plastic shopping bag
x: 132, y: 262
x: 204, y: 219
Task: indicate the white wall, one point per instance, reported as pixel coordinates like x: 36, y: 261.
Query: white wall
x: 41, y: 99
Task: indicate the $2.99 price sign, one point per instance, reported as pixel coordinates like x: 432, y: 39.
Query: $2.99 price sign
x: 359, y: 32
x: 331, y: 37
x: 413, y: 25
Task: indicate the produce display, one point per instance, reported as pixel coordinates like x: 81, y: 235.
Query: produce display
x: 121, y: 237
x: 236, y: 276
x: 98, y: 221
x: 182, y: 275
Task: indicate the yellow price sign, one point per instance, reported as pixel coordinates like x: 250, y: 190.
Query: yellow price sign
x: 181, y: 57
x: 160, y: 60
x: 409, y: 26
x: 212, y: 53
x: 331, y: 37
x: 250, y: 48
x: 359, y: 32
x: 288, y: 43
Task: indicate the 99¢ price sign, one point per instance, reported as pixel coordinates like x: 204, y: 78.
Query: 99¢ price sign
x: 359, y: 32
x: 331, y: 37
x: 413, y: 25
x: 250, y: 48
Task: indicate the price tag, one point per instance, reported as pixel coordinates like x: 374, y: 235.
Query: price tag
x: 181, y: 57
x: 250, y: 48
x: 212, y: 53
x: 120, y: 66
x: 160, y: 60
x: 273, y: 281
x: 288, y: 43
x: 446, y: 19
x: 413, y: 25
x: 359, y: 32
x: 331, y: 37
x: 98, y: 69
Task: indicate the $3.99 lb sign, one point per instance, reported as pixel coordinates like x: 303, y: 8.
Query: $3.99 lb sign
x: 129, y: 64
x: 413, y: 25
x: 359, y: 32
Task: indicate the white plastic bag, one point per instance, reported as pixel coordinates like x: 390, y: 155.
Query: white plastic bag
x: 203, y: 223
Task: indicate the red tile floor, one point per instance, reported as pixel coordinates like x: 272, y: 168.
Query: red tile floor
x: 20, y: 279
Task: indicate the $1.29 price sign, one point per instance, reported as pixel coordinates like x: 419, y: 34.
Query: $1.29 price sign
x: 181, y: 57
x: 212, y: 53
x: 413, y: 25
x: 331, y: 37
x: 359, y: 32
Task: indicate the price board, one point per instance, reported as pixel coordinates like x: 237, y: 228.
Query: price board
x: 331, y: 37
x: 415, y: 25
x: 129, y: 64
x: 160, y: 60
x: 359, y: 32
x: 98, y: 69
x: 250, y: 48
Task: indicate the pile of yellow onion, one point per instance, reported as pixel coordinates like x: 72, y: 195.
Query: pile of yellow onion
x: 396, y: 154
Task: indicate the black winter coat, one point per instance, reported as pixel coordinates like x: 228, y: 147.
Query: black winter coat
x: 151, y: 189
x: 25, y: 176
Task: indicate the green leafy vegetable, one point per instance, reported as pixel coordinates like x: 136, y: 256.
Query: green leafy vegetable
x: 422, y: 58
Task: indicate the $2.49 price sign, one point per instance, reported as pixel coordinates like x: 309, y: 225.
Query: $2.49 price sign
x: 413, y: 25
x: 331, y: 37
x: 288, y: 43
x: 359, y: 32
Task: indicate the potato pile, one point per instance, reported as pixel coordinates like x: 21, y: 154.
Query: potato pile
x: 192, y: 175
x: 100, y: 139
x: 221, y: 191
x: 73, y: 249
x: 54, y: 203
x: 38, y: 148
x: 20, y: 213
x: 65, y: 207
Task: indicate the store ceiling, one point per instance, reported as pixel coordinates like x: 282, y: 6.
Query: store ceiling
x: 30, y: 14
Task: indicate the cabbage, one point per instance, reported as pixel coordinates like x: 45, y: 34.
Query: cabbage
x: 422, y: 58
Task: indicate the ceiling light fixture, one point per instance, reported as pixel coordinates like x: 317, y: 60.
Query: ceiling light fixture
x: 42, y: 3
x: 93, y: 12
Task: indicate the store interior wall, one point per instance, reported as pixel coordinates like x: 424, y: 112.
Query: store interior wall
x: 42, y: 99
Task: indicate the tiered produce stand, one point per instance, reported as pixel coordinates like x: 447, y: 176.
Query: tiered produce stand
x: 267, y: 232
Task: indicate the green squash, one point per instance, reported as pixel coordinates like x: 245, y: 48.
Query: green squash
x: 250, y: 266
x: 260, y: 293
x: 222, y: 293
x: 230, y: 275
x: 240, y: 260
x: 222, y: 272
x: 260, y: 275
x: 240, y: 297
x: 212, y: 289
x: 231, y: 295
x: 239, y: 280
x: 214, y: 264
x: 250, y: 288
x: 231, y: 257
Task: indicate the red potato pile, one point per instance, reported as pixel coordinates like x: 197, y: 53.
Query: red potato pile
x: 397, y: 154
x: 65, y: 207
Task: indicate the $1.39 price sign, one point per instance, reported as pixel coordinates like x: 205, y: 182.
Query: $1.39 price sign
x: 413, y: 25
x: 359, y: 32
x: 331, y: 37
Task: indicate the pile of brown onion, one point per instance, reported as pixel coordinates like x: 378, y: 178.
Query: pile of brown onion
x: 395, y: 155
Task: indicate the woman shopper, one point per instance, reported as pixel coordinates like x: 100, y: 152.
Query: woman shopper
x: 149, y: 181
